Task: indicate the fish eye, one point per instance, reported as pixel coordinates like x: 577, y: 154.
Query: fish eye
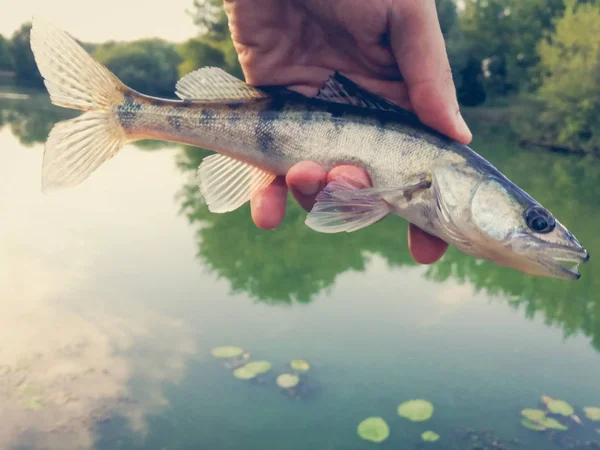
x: 539, y: 220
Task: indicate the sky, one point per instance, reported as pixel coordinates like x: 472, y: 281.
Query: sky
x: 103, y: 20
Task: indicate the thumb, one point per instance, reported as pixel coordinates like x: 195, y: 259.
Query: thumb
x: 420, y: 52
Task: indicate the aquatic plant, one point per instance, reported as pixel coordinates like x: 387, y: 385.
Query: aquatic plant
x: 532, y: 425
x: 227, y: 352
x: 287, y: 380
x: 534, y: 414
x: 552, y: 424
x: 373, y: 429
x: 592, y: 413
x: 243, y: 373
x: 558, y: 406
x: 430, y: 436
x: 258, y: 367
x: 536, y: 419
x: 300, y: 365
x: 416, y: 410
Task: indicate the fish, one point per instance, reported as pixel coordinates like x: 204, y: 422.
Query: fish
x: 259, y: 132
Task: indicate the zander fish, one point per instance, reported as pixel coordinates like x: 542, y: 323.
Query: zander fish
x: 443, y: 187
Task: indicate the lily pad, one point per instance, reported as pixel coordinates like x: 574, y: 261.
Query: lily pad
x: 552, y: 424
x: 373, y: 429
x: 560, y: 407
x: 244, y: 373
x: 227, y: 352
x: 534, y: 415
x: 287, y: 380
x: 532, y: 425
x: 430, y: 436
x: 300, y: 365
x: 258, y: 367
x: 592, y: 413
x: 416, y: 410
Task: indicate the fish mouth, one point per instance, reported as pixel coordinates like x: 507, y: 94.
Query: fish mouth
x: 564, y: 262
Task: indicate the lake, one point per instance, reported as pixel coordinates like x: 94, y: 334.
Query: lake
x: 115, y: 293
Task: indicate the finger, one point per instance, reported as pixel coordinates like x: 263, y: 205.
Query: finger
x: 356, y: 176
x: 420, y: 51
x: 268, y: 205
x: 425, y: 248
x: 305, y: 180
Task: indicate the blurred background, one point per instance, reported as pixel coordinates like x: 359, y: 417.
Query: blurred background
x: 113, y: 294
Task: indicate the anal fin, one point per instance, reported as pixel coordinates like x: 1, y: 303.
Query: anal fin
x: 227, y: 183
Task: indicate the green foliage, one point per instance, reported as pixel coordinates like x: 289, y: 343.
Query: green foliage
x: 26, y: 70
x: 6, y: 54
x: 214, y: 46
x: 503, y: 35
x: 570, y: 77
x: 148, y: 66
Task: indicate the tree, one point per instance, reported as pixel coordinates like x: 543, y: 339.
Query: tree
x: 26, y: 71
x: 6, y: 57
x: 569, y: 71
x: 148, y: 66
x: 210, y: 17
x: 503, y: 36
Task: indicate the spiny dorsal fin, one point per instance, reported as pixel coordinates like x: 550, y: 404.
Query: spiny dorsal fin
x: 339, y: 89
x: 214, y: 84
x: 227, y: 183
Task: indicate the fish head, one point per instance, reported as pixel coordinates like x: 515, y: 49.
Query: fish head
x: 486, y: 215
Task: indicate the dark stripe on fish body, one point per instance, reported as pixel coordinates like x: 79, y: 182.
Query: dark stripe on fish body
x: 128, y: 111
x: 206, y: 116
x: 175, y: 121
x: 265, y: 125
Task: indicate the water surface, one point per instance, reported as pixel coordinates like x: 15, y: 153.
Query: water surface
x: 114, y: 293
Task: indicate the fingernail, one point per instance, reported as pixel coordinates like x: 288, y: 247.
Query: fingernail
x: 463, y: 128
x: 308, y: 188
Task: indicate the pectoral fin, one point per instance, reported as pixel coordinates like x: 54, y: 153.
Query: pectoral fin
x: 344, y: 207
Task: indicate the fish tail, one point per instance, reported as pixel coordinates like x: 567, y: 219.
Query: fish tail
x: 75, y: 148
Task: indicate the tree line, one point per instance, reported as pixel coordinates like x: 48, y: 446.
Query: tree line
x: 540, y: 57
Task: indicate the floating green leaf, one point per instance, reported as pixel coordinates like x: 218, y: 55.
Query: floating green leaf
x: 300, y: 365
x: 430, y: 436
x: 532, y: 425
x: 227, y: 352
x: 592, y: 413
x: 416, y: 410
x: 243, y: 373
x: 258, y: 367
x: 287, y: 380
x: 560, y: 407
x: 534, y: 414
x: 373, y: 429
x: 552, y: 424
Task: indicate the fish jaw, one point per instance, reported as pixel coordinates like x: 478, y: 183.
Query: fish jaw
x: 551, y: 260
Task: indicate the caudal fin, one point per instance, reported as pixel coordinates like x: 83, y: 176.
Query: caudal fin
x: 76, y: 147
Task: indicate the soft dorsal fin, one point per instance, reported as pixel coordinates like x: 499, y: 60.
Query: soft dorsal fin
x: 227, y: 183
x: 214, y: 84
x: 339, y: 89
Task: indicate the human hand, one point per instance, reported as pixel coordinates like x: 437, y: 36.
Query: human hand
x: 300, y: 43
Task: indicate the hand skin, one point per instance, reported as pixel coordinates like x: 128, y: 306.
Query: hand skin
x: 393, y: 48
